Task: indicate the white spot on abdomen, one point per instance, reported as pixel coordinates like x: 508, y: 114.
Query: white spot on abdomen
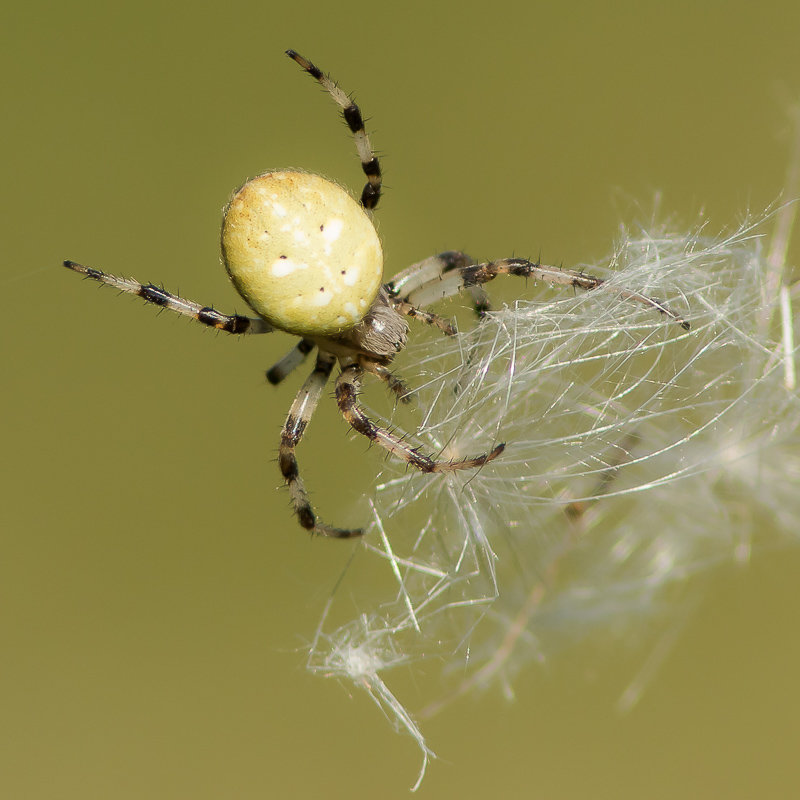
x: 322, y: 298
x: 284, y: 266
x: 350, y: 277
x: 332, y: 229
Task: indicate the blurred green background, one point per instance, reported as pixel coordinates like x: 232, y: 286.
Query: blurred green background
x: 157, y: 595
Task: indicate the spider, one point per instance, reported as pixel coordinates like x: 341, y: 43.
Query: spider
x: 307, y: 259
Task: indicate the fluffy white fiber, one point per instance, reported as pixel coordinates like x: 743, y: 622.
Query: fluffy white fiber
x: 638, y: 455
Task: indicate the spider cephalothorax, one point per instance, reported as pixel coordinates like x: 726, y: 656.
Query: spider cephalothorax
x: 306, y: 258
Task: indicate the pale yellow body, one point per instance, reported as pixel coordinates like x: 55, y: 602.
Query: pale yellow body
x: 302, y: 253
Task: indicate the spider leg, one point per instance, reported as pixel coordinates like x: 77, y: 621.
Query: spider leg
x: 394, y: 384
x: 452, y: 282
x: 347, y: 386
x: 432, y: 269
x: 299, y: 416
x: 230, y: 323
x: 407, y: 310
x: 293, y: 359
x: 352, y: 116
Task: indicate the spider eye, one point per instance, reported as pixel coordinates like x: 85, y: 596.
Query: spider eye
x: 302, y: 253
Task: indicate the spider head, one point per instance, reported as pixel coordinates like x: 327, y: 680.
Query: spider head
x: 381, y: 335
x: 302, y: 253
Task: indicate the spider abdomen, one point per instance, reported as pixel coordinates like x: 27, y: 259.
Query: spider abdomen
x: 302, y: 253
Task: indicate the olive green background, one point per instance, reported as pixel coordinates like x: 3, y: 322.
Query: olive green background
x: 156, y: 595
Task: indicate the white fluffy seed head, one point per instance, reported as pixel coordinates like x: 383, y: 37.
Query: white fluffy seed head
x: 302, y: 253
